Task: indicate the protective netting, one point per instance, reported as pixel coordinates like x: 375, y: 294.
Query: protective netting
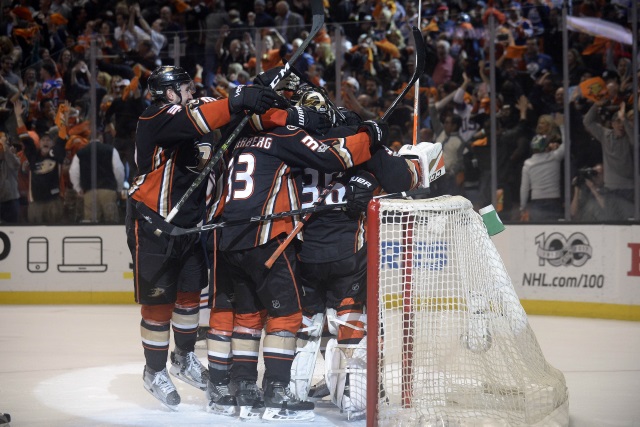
x: 454, y: 344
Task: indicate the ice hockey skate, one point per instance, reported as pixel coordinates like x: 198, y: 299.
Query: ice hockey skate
x: 186, y: 367
x: 160, y: 386
x: 219, y: 400
x: 249, y: 399
x: 282, y: 406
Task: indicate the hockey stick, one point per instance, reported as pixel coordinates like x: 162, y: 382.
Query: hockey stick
x: 317, y: 10
x: 417, y: 72
x: 162, y: 226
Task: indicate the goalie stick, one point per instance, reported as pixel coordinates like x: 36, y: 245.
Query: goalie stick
x: 417, y: 72
x: 317, y: 10
x: 162, y: 226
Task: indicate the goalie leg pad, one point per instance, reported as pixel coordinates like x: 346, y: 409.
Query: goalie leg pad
x: 307, y: 350
x: 346, y: 377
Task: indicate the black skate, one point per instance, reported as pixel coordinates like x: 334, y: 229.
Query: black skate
x: 249, y: 398
x: 186, y: 367
x: 219, y: 400
x: 282, y: 406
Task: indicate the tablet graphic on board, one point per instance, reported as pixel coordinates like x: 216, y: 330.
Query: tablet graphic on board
x: 82, y: 255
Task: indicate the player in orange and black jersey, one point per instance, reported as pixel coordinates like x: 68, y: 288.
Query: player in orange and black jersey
x: 265, y: 176
x: 169, y: 272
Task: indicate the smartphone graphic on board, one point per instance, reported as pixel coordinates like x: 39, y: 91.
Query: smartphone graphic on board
x: 37, y: 254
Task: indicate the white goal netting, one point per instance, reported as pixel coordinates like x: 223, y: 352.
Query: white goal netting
x: 454, y: 347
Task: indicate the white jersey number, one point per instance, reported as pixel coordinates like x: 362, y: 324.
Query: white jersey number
x: 313, y: 187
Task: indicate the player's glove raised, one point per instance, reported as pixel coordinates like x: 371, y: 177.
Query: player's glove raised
x: 256, y: 99
x: 378, y: 131
x: 309, y: 119
x: 358, y: 193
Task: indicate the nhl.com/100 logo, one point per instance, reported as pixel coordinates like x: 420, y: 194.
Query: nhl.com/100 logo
x: 557, y: 250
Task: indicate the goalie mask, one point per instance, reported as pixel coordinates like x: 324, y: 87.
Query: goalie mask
x: 307, y: 96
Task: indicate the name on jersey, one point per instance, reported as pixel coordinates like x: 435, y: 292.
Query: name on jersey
x: 255, y: 141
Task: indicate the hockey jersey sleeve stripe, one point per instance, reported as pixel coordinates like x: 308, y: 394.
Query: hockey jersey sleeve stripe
x: 353, y: 150
x: 164, y: 199
x: 215, y: 114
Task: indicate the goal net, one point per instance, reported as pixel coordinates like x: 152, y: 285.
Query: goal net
x: 448, y: 342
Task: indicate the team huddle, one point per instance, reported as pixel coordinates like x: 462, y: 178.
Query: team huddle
x: 268, y: 280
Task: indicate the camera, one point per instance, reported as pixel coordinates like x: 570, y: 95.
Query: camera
x: 584, y: 174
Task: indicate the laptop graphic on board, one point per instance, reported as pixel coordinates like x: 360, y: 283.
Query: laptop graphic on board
x: 82, y: 255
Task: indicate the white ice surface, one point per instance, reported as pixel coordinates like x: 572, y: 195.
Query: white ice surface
x: 77, y: 366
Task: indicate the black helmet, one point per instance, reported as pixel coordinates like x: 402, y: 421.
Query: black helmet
x: 164, y: 77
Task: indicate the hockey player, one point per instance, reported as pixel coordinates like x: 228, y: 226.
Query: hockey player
x: 265, y: 176
x: 333, y: 260
x: 169, y: 272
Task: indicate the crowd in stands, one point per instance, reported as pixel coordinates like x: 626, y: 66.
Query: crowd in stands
x: 44, y: 66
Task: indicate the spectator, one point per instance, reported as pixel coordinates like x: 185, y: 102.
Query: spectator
x: 289, y: 24
x: 444, y: 67
x: 127, y: 34
x: 233, y: 54
x: 541, y: 178
x: 576, y: 67
x: 270, y: 56
x: 543, y: 95
x: 154, y: 31
x: 259, y: 18
x: 64, y: 65
x: 80, y: 81
x: 520, y: 27
x: 513, y: 149
x: 109, y: 181
x: 121, y: 119
x: 9, y: 195
x: 447, y: 133
x: 46, y: 118
x: 215, y: 20
x: 7, y: 90
x: 617, y: 156
x: 30, y: 89
x: 536, y: 62
x: 6, y: 71
x: 588, y: 202
x: 52, y: 85
x: 45, y: 162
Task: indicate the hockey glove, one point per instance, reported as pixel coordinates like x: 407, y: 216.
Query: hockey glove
x: 309, y: 119
x: 256, y: 99
x: 378, y: 131
x: 358, y: 193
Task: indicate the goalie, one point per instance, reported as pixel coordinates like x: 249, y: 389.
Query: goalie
x: 333, y: 258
